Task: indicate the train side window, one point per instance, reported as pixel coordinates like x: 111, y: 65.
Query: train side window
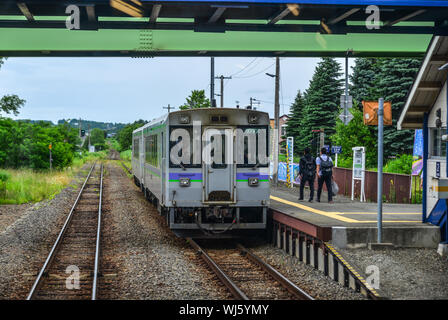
x: 136, y: 148
x: 151, y: 150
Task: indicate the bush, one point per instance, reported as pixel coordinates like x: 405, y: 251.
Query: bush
x: 402, y: 164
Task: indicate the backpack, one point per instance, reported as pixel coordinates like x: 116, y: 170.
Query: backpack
x: 326, y: 167
x: 309, y: 168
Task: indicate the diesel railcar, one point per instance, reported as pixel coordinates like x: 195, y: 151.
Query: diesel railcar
x: 206, y: 170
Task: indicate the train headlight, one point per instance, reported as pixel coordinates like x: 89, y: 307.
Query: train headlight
x: 253, y: 182
x: 252, y: 118
x: 184, y: 182
x: 184, y: 119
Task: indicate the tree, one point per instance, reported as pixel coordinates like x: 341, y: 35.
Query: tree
x: 96, y: 136
x: 295, y: 116
x: 124, y: 136
x: 372, y: 79
x: 393, y: 83
x: 321, y: 102
x: 10, y: 103
x: 364, y: 79
x: 355, y: 134
x: 196, y: 99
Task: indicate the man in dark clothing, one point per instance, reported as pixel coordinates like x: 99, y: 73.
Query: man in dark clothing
x: 325, y: 174
x: 307, y: 172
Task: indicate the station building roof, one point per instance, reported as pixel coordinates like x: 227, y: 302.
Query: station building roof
x: 427, y: 85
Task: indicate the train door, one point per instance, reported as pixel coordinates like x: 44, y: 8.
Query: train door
x: 218, y: 166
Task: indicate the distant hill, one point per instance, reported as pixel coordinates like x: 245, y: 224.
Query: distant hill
x: 110, y: 127
x: 35, y: 121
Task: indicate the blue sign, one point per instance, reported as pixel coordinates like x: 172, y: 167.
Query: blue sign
x: 336, y: 149
x: 326, y: 146
x: 438, y: 169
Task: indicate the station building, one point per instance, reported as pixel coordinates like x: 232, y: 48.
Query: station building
x: 426, y: 108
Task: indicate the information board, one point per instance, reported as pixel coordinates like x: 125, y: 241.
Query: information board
x: 358, y: 172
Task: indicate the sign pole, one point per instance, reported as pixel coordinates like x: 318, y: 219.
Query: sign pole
x: 380, y: 167
x: 51, y: 159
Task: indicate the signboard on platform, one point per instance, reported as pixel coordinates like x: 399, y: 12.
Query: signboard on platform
x: 289, y: 161
x: 358, y: 172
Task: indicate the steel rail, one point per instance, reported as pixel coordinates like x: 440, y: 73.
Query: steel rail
x: 236, y: 292
x: 98, y: 236
x: 58, y: 240
x: 285, y: 282
x: 125, y: 167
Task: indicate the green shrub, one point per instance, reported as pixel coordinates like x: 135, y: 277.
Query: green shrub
x: 402, y: 164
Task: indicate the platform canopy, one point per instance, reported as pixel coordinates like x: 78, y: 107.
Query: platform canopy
x: 220, y: 28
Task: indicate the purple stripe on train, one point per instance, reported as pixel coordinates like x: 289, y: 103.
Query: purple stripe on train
x: 192, y: 176
x: 247, y: 175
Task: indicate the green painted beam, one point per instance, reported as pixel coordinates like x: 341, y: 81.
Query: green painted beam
x: 62, y: 42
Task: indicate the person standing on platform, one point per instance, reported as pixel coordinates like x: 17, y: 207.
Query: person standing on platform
x: 307, y: 172
x: 324, y: 174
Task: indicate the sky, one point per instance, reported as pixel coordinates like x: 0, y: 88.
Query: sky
x: 127, y: 89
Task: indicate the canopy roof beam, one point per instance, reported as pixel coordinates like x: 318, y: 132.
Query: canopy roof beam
x: 25, y: 11
x: 217, y: 15
x: 343, y: 16
x: 91, y: 13
x: 407, y: 17
x: 279, y: 16
x: 155, y: 13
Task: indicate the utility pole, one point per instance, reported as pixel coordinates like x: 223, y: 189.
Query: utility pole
x: 380, y: 169
x: 169, y: 108
x: 276, y: 118
x: 222, y: 88
x: 254, y: 101
x: 212, y: 82
x: 88, y: 129
x: 80, y: 125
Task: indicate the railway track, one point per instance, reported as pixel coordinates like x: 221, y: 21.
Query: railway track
x: 125, y: 167
x: 72, y: 267
x: 247, y: 276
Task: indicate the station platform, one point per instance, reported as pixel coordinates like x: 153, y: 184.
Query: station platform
x: 353, y: 224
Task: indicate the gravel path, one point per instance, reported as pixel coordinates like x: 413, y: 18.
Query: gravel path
x: 150, y: 262
x: 9, y: 213
x: 313, y: 281
x: 26, y: 242
x: 404, y: 273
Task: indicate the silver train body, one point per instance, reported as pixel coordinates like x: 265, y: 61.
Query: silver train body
x: 174, y: 163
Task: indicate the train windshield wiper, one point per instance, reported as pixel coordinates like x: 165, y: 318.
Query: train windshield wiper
x: 182, y: 165
x: 256, y: 165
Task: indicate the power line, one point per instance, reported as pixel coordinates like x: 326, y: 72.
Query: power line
x: 253, y: 75
x: 244, y: 67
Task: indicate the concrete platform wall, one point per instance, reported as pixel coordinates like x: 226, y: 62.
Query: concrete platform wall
x: 407, y: 237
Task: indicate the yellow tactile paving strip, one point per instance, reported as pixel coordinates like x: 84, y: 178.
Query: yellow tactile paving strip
x: 353, y: 271
x: 339, y: 215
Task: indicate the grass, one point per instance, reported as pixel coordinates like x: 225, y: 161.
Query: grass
x: 25, y: 185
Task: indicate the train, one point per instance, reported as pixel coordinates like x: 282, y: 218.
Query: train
x: 206, y: 170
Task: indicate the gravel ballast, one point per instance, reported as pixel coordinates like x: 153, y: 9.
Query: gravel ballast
x: 404, y: 273
x: 150, y: 262
x: 26, y: 242
x: 313, y: 281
